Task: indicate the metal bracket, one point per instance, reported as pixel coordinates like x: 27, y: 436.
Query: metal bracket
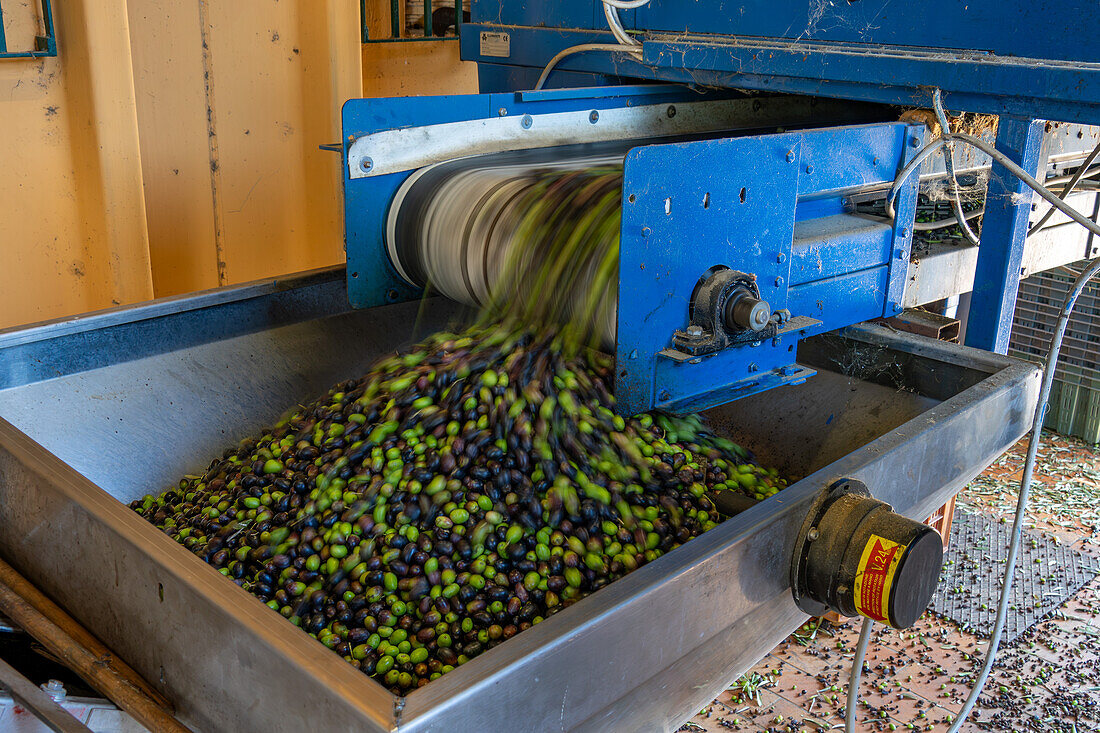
x: 407, y: 148
x: 774, y: 330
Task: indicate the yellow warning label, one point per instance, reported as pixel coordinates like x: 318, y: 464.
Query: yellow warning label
x: 875, y: 577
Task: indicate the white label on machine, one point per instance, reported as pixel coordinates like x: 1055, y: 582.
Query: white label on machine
x: 496, y: 44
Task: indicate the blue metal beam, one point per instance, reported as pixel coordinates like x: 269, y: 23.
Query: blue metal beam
x: 1004, y: 229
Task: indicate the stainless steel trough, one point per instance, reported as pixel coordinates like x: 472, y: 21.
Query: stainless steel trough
x: 98, y: 410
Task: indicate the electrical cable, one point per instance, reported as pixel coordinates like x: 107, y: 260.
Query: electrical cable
x: 626, y: 43
x: 1080, y: 174
x: 1036, y: 428
x: 949, y: 165
x: 616, y: 25
x: 581, y: 48
x: 857, y: 671
x: 1001, y: 158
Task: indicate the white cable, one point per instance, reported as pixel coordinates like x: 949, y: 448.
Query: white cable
x: 616, y: 25
x: 857, y: 670
x: 1001, y: 158
x: 949, y: 166
x: 581, y: 49
x: 626, y: 4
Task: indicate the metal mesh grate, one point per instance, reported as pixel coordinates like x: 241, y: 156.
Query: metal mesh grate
x: 1047, y: 573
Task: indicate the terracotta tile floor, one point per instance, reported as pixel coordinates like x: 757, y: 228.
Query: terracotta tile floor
x: 917, y: 679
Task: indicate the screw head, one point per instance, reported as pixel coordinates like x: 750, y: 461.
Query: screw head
x: 594, y: 117
x: 665, y: 395
x: 914, y: 142
x: 502, y: 112
x: 809, y: 169
x: 671, y: 111
x: 813, y: 534
x: 526, y: 121
x: 366, y: 164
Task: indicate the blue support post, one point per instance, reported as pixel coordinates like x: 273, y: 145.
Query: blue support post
x: 1004, y: 228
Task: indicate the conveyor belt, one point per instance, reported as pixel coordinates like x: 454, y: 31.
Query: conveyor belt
x: 454, y: 226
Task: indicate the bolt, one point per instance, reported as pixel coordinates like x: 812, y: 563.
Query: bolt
x: 781, y: 258
x: 633, y: 353
x: 366, y: 164
x: 874, y: 160
x: 646, y: 231
x: 593, y: 117
x: 790, y: 156
x: 753, y: 367
x: 694, y: 331
x: 671, y: 111
x: 809, y: 169
x: 665, y: 395
x: 777, y: 341
x: 899, y: 253
x: 813, y: 534
x: 903, y: 232
x: 502, y: 112
x: 779, y: 282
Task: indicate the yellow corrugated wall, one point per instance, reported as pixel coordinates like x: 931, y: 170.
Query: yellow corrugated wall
x: 172, y: 145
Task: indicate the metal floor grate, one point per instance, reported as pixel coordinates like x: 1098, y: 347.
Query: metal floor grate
x: 1047, y: 573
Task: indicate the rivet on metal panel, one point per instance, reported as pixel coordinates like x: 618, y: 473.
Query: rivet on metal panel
x: 790, y: 156
x: 671, y: 110
x: 526, y: 122
x: 779, y: 282
x: 593, y: 117
x: 914, y: 142
x: 781, y: 258
x: 366, y: 164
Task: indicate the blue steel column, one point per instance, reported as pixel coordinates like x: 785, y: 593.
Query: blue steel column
x: 1004, y: 228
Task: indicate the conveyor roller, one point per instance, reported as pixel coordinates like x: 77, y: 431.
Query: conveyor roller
x: 456, y: 227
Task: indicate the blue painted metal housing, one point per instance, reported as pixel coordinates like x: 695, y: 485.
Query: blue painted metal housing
x: 771, y: 205
x: 1022, y: 60
x: 1039, y: 58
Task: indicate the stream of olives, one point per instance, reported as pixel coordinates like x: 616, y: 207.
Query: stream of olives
x: 462, y: 491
